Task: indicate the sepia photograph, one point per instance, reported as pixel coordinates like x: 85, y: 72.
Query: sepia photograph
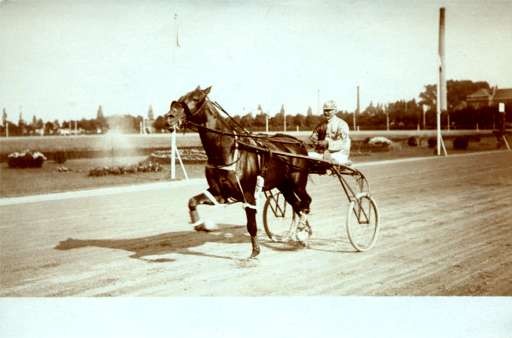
x: 251, y: 168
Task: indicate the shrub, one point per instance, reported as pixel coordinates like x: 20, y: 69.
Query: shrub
x: 412, y: 141
x: 432, y: 142
x: 60, y: 156
x: 26, y: 159
x: 143, y: 166
x: 379, y: 143
x: 460, y: 143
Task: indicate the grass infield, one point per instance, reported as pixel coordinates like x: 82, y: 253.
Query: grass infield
x: 48, y: 179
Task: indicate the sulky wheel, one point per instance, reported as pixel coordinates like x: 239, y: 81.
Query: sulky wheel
x: 362, y: 222
x: 278, y: 217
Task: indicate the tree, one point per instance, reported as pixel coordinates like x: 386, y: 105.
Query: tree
x: 428, y: 96
x: 457, y: 91
x: 4, y: 117
x: 259, y: 120
x: 309, y: 112
x: 160, y: 124
x: 101, y: 122
x: 151, y: 115
x: 312, y: 121
x: 247, y: 121
x: 299, y: 120
x: 276, y: 122
x: 50, y: 128
x: 21, y: 124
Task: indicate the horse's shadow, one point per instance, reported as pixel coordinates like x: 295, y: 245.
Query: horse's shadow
x: 180, y: 242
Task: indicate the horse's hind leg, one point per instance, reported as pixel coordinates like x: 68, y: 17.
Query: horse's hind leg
x: 196, y: 221
x: 304, y: 207
x: 292, y: 199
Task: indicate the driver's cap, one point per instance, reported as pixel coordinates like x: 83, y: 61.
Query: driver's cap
x: 329, y: 105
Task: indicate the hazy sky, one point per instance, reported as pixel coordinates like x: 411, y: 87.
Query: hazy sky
x: 61, y: 59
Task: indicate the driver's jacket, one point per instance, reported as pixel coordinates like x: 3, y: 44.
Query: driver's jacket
x: 336, y: 132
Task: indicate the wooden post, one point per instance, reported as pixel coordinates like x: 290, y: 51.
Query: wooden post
x: 176, y: 154
x: 173, y: 154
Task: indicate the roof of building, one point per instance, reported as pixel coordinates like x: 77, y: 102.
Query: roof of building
x: 481, y: 94
x: 503, y: 94
x: 490, y: 96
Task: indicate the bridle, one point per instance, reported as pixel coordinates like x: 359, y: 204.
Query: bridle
x: 200, y: 126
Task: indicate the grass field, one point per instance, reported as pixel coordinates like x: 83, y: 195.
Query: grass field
x: 22, y: 182
x: 124, y: 145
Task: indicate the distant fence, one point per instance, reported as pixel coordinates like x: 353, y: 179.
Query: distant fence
x: 126, y: 145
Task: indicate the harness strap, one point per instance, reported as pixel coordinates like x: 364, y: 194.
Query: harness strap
x: 211, y: 197
x: 236, y: 158
x: 245, y: 204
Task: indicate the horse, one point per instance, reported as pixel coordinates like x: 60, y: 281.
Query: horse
x: 240, y: 164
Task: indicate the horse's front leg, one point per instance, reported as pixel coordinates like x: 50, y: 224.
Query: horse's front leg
x: 202, y: 198
x: 252, y: 228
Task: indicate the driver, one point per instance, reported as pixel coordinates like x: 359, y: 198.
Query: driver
x: 330, y: 137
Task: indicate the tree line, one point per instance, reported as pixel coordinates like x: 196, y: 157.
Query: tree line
x: 401, y: 114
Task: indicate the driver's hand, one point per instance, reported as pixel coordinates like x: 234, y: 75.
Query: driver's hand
x: 321, y: 145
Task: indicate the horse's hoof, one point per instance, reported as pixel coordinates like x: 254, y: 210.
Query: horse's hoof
x: 254, y: 254
x: 200, y: 227
x: 302, y: 236
x: 206, y: 226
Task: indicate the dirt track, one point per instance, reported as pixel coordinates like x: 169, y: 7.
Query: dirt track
x: 446, y: 230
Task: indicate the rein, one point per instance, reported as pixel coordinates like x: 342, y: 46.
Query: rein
x: 244, y: 132
x: 235, y: 126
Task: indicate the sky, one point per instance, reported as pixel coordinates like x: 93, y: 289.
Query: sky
x: 61, y: 59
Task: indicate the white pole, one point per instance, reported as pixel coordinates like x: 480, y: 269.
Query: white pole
x: 387, y: 118
x: 266, y: 123
x: 284, y: 120
x: 173, y: 154
x: 441, y: 87
x: 424, y: 116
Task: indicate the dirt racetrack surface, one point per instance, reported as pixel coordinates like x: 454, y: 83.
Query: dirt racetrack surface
x: 446, y: 229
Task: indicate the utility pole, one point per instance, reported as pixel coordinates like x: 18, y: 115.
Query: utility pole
x: 441, y: 86
x: 284, y: 121
x: 387, y: 117
x: 424, y: 108
x: 354, y: 122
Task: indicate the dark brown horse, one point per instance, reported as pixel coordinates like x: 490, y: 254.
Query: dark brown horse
x: 237, y: 159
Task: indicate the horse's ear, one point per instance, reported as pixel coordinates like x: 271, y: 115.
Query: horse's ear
x: 198, y: 88
x: 207, y: 90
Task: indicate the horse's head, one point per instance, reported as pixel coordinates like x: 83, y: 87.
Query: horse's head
x: 189, y: 107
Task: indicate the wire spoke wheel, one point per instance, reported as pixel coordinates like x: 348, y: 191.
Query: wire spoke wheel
x: 362, y: 222
x: 278, y: 217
